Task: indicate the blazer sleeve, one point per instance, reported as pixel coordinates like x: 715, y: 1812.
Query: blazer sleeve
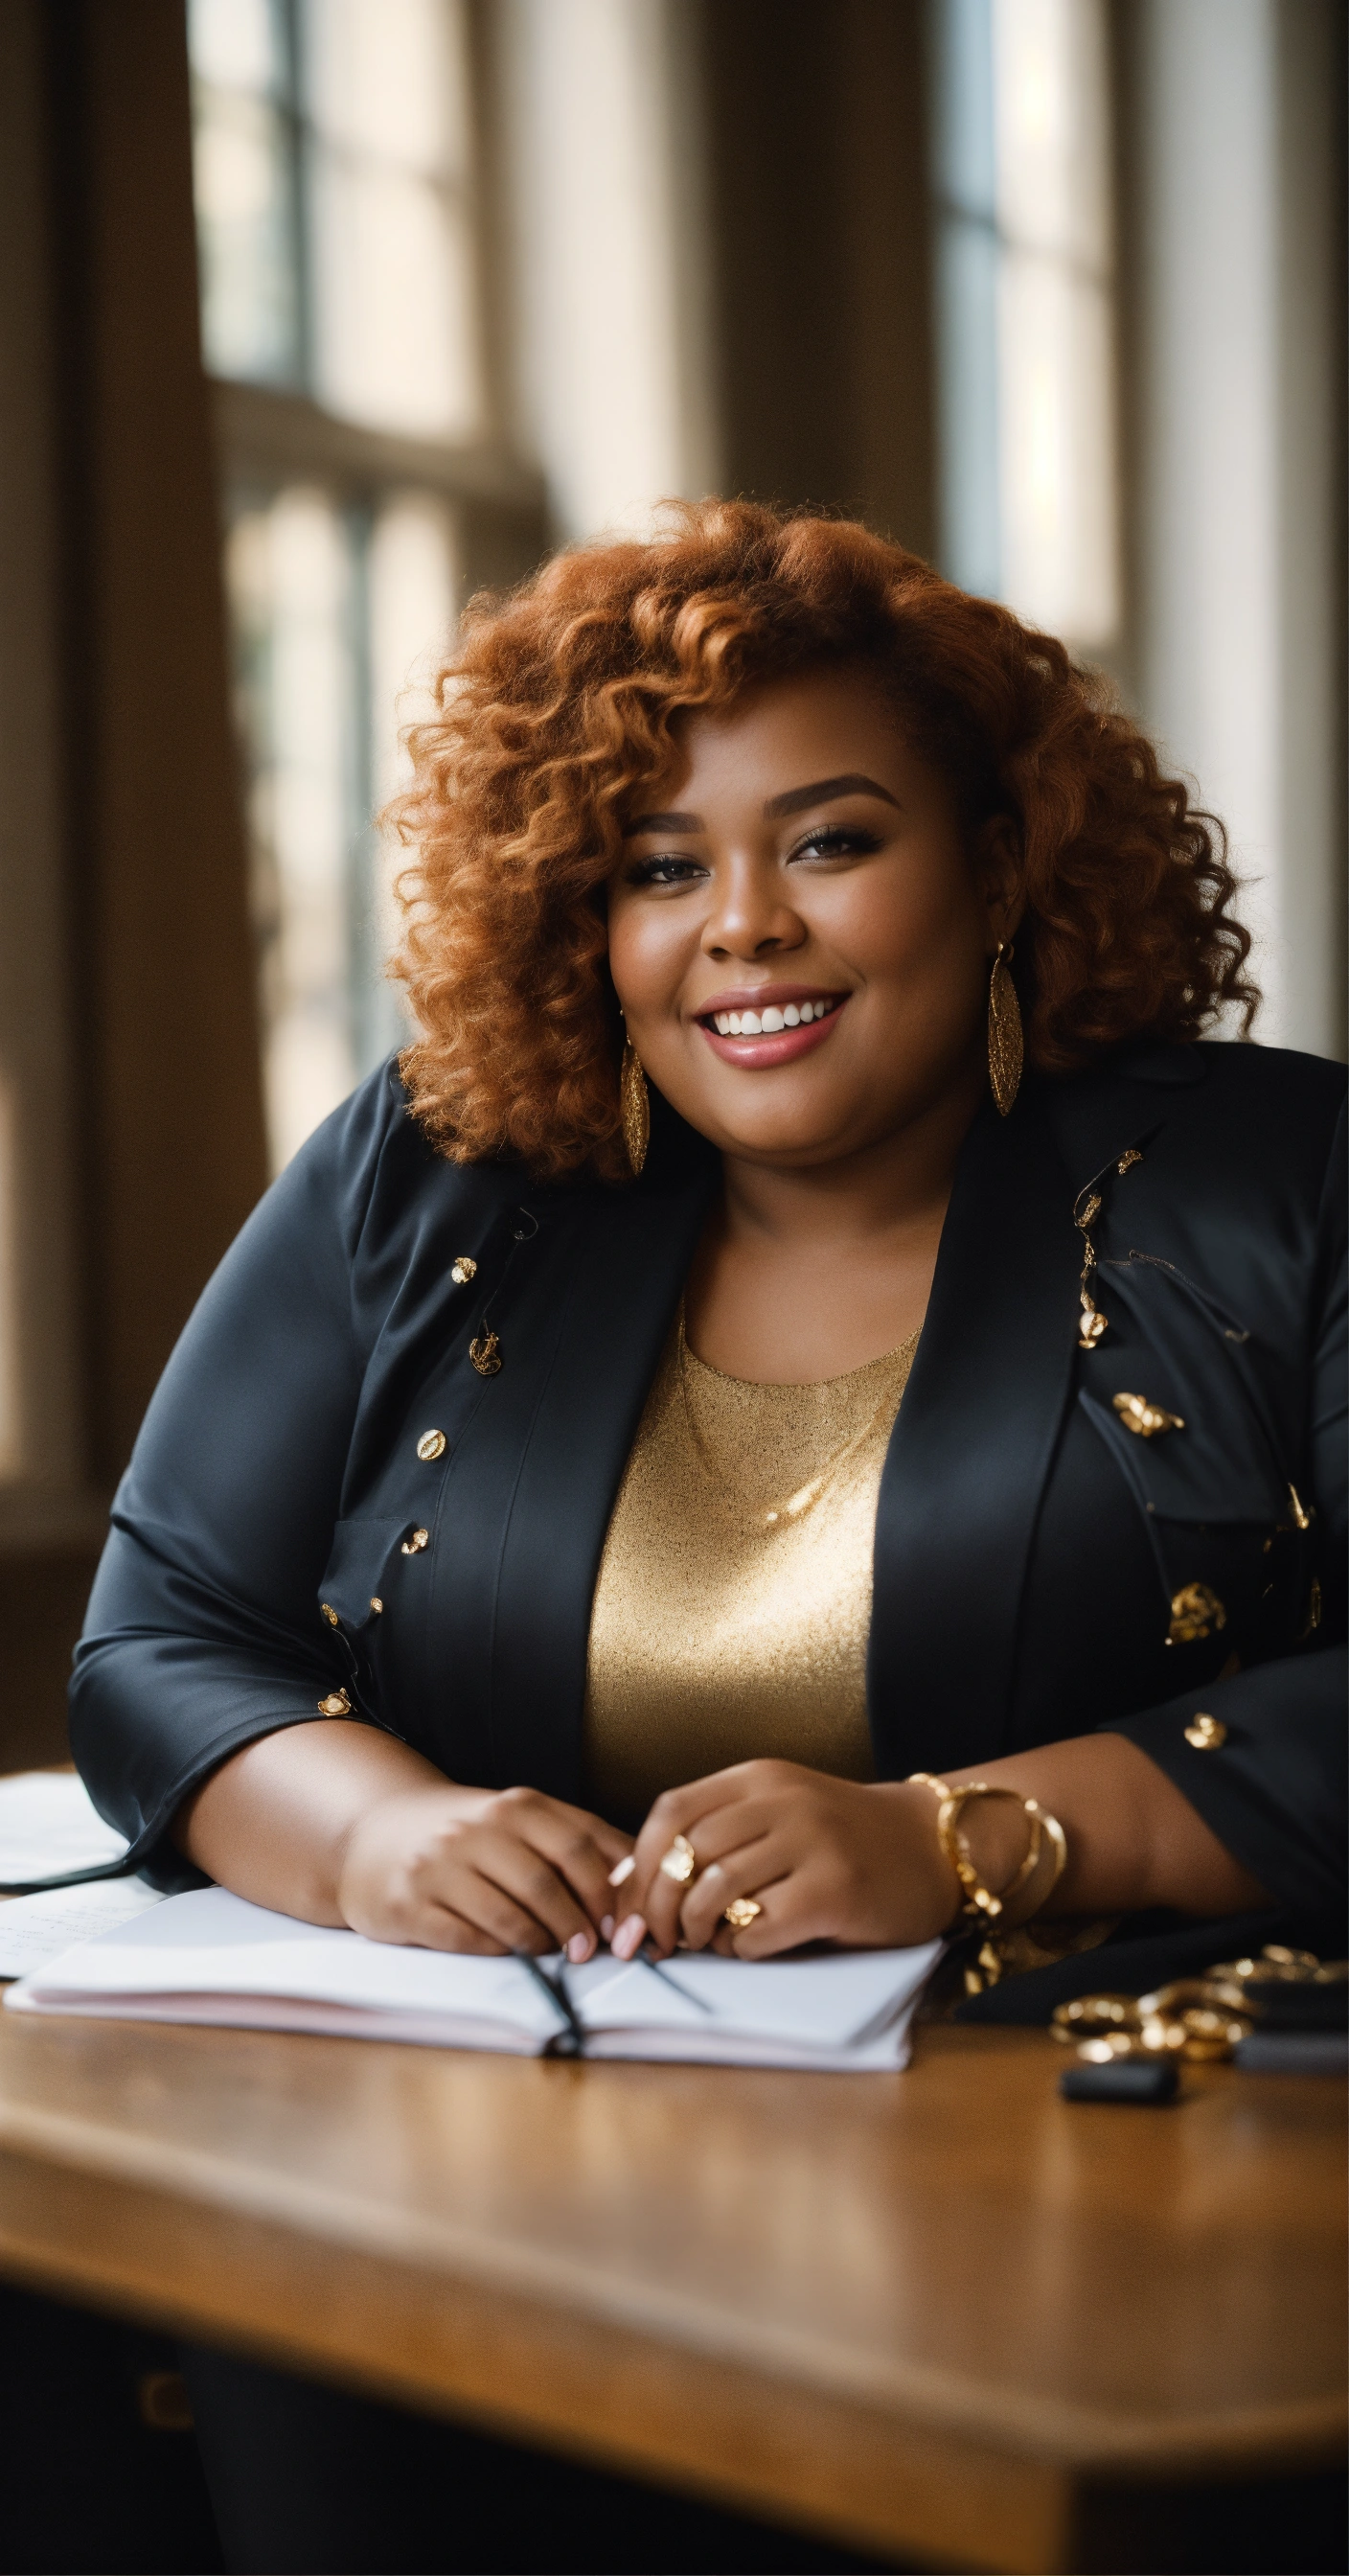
x: 1273, y: 1784
x: 203, y: 1628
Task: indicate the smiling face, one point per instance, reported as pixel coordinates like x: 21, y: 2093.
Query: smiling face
x: 799, y: 936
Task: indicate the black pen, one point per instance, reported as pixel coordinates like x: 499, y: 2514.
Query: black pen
x: 642, y: 1958
x: 571, y: 2041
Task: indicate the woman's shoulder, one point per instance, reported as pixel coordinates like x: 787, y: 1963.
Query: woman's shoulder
x: 1265, y: 1112
x: 1271, y: 1080
x: 370, y: 1168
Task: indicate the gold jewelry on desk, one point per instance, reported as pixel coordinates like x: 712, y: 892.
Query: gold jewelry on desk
x: 680, y: 1862
x: 1196, y: 2019
x: 741, y: 1912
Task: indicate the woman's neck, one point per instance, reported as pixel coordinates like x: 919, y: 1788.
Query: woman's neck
x: 808, y: 1270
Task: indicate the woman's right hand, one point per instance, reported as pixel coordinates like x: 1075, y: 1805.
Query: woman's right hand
x: 491, y: 1871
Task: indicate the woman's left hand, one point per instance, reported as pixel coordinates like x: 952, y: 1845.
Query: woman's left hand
x: 825, y: 1859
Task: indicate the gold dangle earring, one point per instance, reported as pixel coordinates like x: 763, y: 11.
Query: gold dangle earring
x: 1004, y: 1031
x: 634, y: 1105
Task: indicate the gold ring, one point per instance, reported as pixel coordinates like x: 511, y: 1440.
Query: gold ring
x: 741, y: 1912
x: 680, y: 1862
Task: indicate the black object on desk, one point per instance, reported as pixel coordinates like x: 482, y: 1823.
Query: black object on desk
x: 1123, y: 2079
x: 1293, y: 2052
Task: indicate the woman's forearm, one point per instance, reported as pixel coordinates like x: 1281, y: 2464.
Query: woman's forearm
x: 1134, y: 1840
x: 274, y: 1821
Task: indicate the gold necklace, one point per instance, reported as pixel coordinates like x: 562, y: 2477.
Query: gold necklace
x: 799, y: 1503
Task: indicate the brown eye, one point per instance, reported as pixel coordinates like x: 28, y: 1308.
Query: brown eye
x: 667, y: 871
x: 837, y: 840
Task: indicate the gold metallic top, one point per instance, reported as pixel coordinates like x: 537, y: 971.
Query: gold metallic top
x: 733, y: 1605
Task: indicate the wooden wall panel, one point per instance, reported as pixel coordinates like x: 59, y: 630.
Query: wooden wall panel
x: 819, y: 220
x: 174, y: 1153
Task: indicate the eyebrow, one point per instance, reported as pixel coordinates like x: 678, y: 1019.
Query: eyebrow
x: 795, y: 801
x: 663, y: 823
x: 852, y: 783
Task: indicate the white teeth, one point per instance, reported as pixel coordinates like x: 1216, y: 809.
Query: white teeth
x: 768, y: 1022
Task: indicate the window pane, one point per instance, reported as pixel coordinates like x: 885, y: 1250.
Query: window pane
x: 238, y: 43
x: 393, y: 325
x: 1056, y: 409
x: 410, y: 584
x: 290, y: 581
x: 340, y: 619
x: 388, y: 79
x: 1025, y: 309
x: 964, y: 152
x: 242, y: 183
x: 1049, y: 83
x: 968, y: 264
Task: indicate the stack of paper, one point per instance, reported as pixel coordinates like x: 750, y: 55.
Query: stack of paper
x: 209, y: 1957
x: 49, y: 1824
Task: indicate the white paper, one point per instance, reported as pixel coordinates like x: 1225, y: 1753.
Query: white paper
x: 34, y: 1929
x: 210, y: 1957
x: 49, y: 1823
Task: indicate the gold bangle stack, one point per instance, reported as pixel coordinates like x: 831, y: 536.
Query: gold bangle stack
x: 980, y: 1904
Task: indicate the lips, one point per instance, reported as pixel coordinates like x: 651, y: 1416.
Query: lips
x: 773, y: 1025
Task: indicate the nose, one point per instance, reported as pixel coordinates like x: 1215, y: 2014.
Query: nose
x: 750, y: 916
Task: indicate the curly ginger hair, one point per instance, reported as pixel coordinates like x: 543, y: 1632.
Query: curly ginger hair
x: 562, y: 703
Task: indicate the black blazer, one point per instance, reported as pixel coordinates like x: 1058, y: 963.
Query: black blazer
x: 277, y: 1537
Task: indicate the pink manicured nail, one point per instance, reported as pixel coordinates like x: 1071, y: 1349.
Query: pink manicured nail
x: 622, y: 1871
x: 606, y: 1927
x: 630, y: 1935
x: 579, y: 1947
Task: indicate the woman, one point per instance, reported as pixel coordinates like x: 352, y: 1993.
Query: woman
x: 549, y: 1532
x: 516, y: 1491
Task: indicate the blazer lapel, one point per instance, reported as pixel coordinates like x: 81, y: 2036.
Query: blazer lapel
x: 972, y: 1448
x: 627, y: 1263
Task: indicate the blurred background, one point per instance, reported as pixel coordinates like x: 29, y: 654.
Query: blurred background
x: 317, y: 315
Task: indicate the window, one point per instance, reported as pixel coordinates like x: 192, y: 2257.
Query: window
x: 333, y: 204
x: 1025, y: 309
x: 340, y: 315
x: 333, y: 606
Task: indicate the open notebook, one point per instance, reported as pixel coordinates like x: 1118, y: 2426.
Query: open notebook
x: 209, y: 1957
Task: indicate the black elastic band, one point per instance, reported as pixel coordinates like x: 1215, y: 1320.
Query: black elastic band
x: 124, y: 1868
x: 570, y: 2042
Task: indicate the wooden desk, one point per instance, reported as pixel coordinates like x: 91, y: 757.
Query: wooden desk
x: 931, y: 2314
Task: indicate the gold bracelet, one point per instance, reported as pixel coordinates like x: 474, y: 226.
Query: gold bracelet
x: 979, y: 1904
